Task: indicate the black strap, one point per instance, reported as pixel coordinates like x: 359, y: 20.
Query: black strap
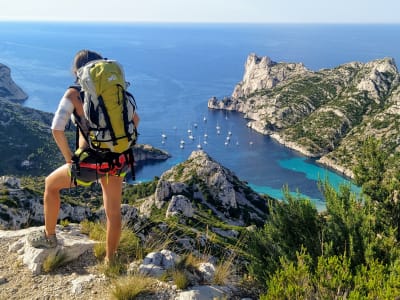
x: 78, y: 118
x: 107, y: 119
x: 130, y: 158
x: 125, y: 114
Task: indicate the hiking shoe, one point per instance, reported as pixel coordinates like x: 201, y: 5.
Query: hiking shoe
x: 38, y: 239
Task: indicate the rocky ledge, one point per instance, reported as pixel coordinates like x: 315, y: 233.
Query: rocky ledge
x: 144, y: 152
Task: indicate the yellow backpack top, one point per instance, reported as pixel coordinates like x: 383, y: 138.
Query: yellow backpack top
x: 109, y: 108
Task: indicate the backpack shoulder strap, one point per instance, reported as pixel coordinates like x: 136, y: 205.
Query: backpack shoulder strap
x: 78, y: 88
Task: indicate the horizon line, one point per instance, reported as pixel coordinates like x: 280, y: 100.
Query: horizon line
x: 11, y: 20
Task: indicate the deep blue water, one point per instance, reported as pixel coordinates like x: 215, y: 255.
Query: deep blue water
x: 174, y: 69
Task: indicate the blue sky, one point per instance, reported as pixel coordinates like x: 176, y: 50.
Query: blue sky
x: 248, y: 11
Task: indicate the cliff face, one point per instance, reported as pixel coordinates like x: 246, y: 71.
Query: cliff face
x: 263, y: 73
x: 8, y: 89
x: 324, y: 114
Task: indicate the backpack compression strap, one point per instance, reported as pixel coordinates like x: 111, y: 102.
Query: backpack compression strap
x: 125, y: 115
x: 107, y: 120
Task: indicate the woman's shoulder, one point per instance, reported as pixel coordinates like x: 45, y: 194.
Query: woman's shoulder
x: 73, y: 93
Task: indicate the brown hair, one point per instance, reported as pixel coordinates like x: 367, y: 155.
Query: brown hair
x: 83, y: 57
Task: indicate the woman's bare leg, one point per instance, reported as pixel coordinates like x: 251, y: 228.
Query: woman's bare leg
x: 57, y: 180
x: 112, y: 196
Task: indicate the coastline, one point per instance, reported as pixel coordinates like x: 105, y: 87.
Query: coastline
x: 324, y: 161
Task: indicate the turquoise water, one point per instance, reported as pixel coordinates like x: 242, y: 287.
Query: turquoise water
x: 314, y: 172
x: 279, y: 194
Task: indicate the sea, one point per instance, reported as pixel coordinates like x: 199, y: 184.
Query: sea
x: 173, y: 70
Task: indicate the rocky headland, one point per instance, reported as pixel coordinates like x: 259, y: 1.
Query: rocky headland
x: 324, y: 114
x: 8, y: 89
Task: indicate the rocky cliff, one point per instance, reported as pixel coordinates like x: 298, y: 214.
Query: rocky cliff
x: 8, y: 89
x: 324, y: 114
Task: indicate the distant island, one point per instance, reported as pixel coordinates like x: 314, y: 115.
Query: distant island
x: 323, y: 114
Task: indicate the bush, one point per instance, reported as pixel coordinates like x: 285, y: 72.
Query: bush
x: 292, y: 281
x: 293, y: 224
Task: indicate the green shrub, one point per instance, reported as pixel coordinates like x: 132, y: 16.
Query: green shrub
x: 292, y: 281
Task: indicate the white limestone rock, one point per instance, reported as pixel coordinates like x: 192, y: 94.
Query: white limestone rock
x: 204, y: 292
x: 156, y: 263
x: 11, y: 181
x: 71, y: 243
x: 207, y: 271
x: 180, y: 204
x: 263, y: 73
x: 79, y: 283
x: 165, y: 189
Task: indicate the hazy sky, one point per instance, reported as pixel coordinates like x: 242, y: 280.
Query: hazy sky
x: 260, y: 11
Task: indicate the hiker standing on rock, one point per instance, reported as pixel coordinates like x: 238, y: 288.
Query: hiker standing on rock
x: 93, y: 160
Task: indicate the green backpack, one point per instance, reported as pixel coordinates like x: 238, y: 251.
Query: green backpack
x: 108, y: 106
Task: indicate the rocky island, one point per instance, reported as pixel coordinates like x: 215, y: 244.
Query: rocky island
x: 324, y: 114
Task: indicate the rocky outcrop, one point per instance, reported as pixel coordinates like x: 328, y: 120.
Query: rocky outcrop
x: 217, y: 187
x: 23, y: 208
x: 8, y: 89
x: 179, y: 204
x: 144, y: 152
x: 263, y: 73
x: 71, y: 244
x: 323, y: 114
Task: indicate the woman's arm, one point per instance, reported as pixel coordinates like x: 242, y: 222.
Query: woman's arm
x: 69, y: 102
x: 62, y: 143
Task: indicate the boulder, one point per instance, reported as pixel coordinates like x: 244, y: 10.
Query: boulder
x: 180, y: 204
x: 71, y: 243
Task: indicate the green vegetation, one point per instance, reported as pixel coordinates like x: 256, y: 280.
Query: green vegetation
x: 350, y: 250
x: 27, y: 144
x: 132, y: 193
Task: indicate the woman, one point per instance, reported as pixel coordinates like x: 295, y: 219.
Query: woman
x: 59, y: 179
